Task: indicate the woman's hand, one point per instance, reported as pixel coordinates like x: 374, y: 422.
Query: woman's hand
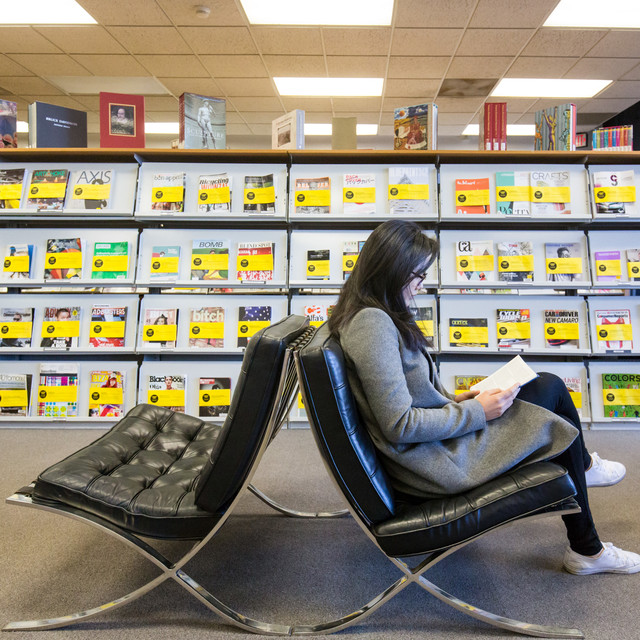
x: 466, y: 395
x: 496, y: 401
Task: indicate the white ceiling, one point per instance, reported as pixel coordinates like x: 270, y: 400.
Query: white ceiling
x: 428, y: 43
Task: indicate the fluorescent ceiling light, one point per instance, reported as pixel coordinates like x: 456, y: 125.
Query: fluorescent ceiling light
x: 593, y: 14
x: 548, y: 88
x: 329, y: 86
x: 161, y: 127
x: 512, y: 130
x: 321, y: 129
x: 44, y: 12
x: 23, y: 127
x: 367, y: 129
x: 328, y: 12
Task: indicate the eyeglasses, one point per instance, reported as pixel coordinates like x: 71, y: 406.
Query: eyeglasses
x: 420, y: 276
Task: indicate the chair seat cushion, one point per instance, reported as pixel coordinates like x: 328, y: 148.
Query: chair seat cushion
x: 141, y: 475
x: 440, y: 523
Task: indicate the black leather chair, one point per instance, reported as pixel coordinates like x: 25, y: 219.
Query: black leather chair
x: 167, y: 475
x: 432, y: 528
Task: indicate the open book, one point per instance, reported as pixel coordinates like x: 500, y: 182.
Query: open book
x: 515, y: 371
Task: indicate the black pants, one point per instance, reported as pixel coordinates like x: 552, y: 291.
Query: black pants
x: 550, y: 392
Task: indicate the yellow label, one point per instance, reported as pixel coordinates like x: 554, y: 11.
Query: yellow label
x: 20, y: 264
x: 564, y: 265
x: 515, y: 263
x: 476, y: 197
x: 16, y: 329
x: 166, y: 397
x: 91, y: 192
x: 58, y: 394
x: 550, y: 194
x: 348, y: 262
x: 61, y: 329
x: 10, y: 191
x: 210, y: 261
x: 13, y: 398
x: 47, y: 190
x: 426, y: 326
x: 165, y: 264
x: 300, y: 401
x: 475, y: 263
x: 513, y: 193
x: 107, y: 329
x: 609, y: 267
x: 316, y: 323
x: 576, y: 396
x: 206, y: 330
x: 167, y: 194
x: 621, y: 396
x: 615, y: 194
x: 248, y: 328
x: 318, y: 268
x: 215, y: 397
x: 520, y: 330
x: 614, y: 331
x: 261, y: 262
x: 160, y: 333
x: 99, y: 395
x: 634, y: 269
x: 214, y: 196
x: 66, y: 260
x: 469, y: 334
x: 562, y: 330
x: 408, y: 192
x: 313, y: 198
x: 359, y: 194
x: 260, y: 195
x: 111, y: 263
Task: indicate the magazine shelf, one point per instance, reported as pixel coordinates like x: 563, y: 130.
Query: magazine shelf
x: 615, y: 394
x: 613, y: 190
x: 614, y: 257
x: 615, y: 325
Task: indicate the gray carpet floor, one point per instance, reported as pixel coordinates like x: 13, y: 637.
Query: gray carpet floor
x: 285, y: 570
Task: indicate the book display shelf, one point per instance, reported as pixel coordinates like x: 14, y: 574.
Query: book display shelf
x: 139, y: 275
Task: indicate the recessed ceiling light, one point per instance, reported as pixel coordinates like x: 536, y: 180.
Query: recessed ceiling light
x: 512, y: 130
x: 548, y: 88
x: 162, y: 127
x: 45, y: 12
x: 329, y: 86
x: 329, y: 12
x: 593, y: 14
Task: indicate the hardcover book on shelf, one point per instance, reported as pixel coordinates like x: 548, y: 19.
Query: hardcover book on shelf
x: 359, y: 193
x: 53, y: 126
x: 250, y: 321
x: 107, y: 328
x: 513, y: 196
x: 165, y: 261
x: 574, y: 387
x: 8, y: 124
x: 63, y: 260
x: 513, y: 327
x: 259, y: 194
x: 550, y: 193
x: 287, y: 131
x: 16, y: 326
x: 564, y: 261
x: 468, y: 332
x: 90, y: 189
x: 465, y: 382
x: 18, y: 261
x: 210, y: 260
x: 608, y: 267
x: 556, y: 128
x: 14, y: 394
x: 60, y: 327
x: 409, y: 190
x: 562, y: 328
x: 312, y: 195
x: 317, y: 313
x: 167, y: 391
x: 416, y: 127
x: 214, y: 193
x: 215, y: 397
x: 106, y: 394
x: 48, y: 189
x: 614, y: 193
x: 612, y: 138
x: 167, y: 192
x: 318, y: 264
x: 633, y: 264
x: 255, y: 261
x: 206, y: 328
x: 11, y: 184
x: 424, y: 319
x: 472, y: 196
x: 493, y: 127
x: 621, y: 395
x: 58, y: 390
x: 515, y: 261
x: 110, y: 261
x: 350, y: 251
x: 474, y: 260
x: 614, y: 330
x: 203, y: 122
x: 121, y: 120
x: 160, y: 328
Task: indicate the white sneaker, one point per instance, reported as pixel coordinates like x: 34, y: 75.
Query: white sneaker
x: 611, y: 560
x: 604, y: 473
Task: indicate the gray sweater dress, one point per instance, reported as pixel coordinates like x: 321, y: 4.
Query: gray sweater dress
x: 430, y: 444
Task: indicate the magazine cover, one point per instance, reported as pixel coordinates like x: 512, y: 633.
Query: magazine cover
x: 317, y: 313
x: 515, y: 261
x: 468, y: 332
x: 215, y: 397
x: 63, y: 260
x: 513, y: 327
x: 106, y: 394
x: 312, y: 195
x: 210, y: 260
x: 167, y: 192
x: 58, y: 390
x: 90, y: 189
x: 160, y: 328
x: 633, y: 264
x: 614, y: 330
x: 110, y: 261
x: 464, y: 383
x: 318, y: 264
x: 562, y: 328
x: 214, y: 193
x: 47, y: 189
x: 621, y: 395
x: 18, y: 261
x: 250, y: 321
x: 574, y: 386
x: 424, y: 320
x: 16, y: 326
x: 165, y: 260
x: 60, y: 327
x: 203, y: 122
x: 564, y: 261
x: 359, y: 193
x: 350, y: 251
x: 206, y: 328
x: 472, y: 196
x: 415, y: 127
x: 259, y: 194
x: 512, y: 193
x: 409, y: 191
x: 11, y: 183
x: 255, y: 261
x: 108, y: 326
x: 474, y: 260
x: 608, y: 266
x: 14, y: 394
x: 167, y: 391
x: 614, y: 193
x: 550, y: 193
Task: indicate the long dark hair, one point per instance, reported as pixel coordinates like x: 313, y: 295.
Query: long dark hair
x: 389, y: 260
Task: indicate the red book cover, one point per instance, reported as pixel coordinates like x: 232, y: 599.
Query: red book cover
x: 495, y: 133
x: 502, y: 106
x: 121, y: 120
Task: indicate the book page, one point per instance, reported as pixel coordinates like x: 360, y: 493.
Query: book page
x: 515, y: 371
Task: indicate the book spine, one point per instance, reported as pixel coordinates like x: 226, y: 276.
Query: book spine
x: 503, y: 126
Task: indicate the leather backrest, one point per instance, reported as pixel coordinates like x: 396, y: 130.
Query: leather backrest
x: 245, y: 427
x: 340, y: 434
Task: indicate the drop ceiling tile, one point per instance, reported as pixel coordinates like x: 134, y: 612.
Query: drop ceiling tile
x: 288, y: 40
x: 462, y: 118
x: 103, y: 65
x: 82, y: 39
x: 622, y: 89
x: 29, y: 86
x: 182, y: 12
x: 540, y: 67
x: 634, y: 74
x: 262, y: 87
x: 83, y: 85
x: 318, y: 117
x: 493, y: 42
x: 233, y: 117
x: 9, y: 67
x: 296, y: 66
x: 173, y: 66
x: 492, y: 14
x: 234, y: 66
x: 243, y: 104
x: 91, y: 103
x: 436, y: 13
x: 425, y: 42
x: 214, y: 40
x: 240, y: 130
x: 603, y: 105
x: 459, y: 105
x: 61, y: 101
x: 42, y: 64
x: 261, y: 117
x: 357, y: 66
x: 203, y: 86
x: 356, y: 41
x: 562, y: 42
x: 160, y: 103
x: 601, y: 68
x: 150, y: 39
x: 416, y: 88
x: 357, y: 105
x: 476, y: 67
x: 126, y: 12
x: 26, y: 40
x: 417, y: 66
x: 363, y: 117
x: 307, y: 104
x: 517, y: 105
x: 260, y: 129
x: 616, y: 44
x: 389, y: 104
x: 545, y: 103
x: 161, y: 116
